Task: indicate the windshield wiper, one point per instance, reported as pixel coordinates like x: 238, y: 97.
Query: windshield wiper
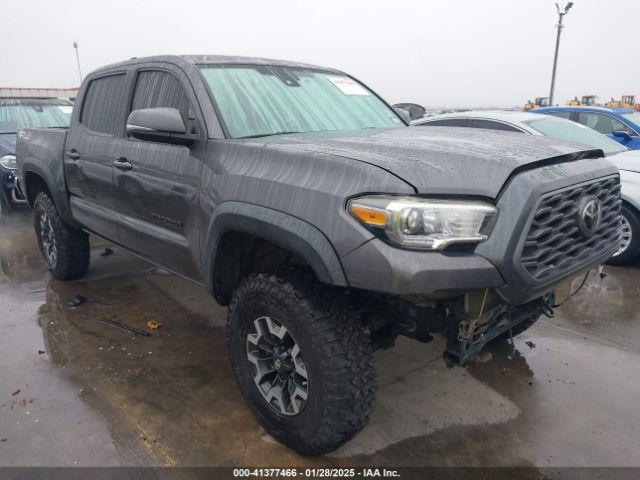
x: 284, y: 132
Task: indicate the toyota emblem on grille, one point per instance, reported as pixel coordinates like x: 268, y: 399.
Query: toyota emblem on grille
x: 589, y: 215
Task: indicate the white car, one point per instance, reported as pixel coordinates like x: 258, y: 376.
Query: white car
x: 627, y: 161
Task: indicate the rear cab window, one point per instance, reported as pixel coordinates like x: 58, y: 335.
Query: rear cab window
x: 102, y: 104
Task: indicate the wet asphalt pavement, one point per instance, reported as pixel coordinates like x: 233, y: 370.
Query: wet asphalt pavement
x: 75, y: 391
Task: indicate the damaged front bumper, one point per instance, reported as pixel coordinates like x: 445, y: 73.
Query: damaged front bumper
x: 466, y: 334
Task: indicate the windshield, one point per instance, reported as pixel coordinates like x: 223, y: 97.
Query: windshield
x: 633, y: 117
x: 575, y: 132
x: 257, y: 100
x: 15, y: 114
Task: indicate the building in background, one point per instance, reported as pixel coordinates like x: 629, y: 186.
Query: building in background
x: 67, y: 93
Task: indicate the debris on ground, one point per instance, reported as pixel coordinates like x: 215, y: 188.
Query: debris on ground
x: 117, y: 324
x: 530, y: 344
x: 484, y: 357
x: 107, y: 252
x: 77, y: 301
x: 153, y: 325
x: 16, y: 392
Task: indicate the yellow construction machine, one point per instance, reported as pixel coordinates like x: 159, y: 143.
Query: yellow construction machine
x: 539, y: 102
x: 586, y: 101
x: 627, y: 101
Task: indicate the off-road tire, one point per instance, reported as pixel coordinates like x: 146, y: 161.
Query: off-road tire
x: 336, y: 350
x: 73, y: 250
x: 632, y: 250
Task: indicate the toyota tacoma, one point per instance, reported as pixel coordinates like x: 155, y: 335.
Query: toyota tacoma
x: 304, y: 203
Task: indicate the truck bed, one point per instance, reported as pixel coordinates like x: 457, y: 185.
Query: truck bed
x: 41, y: 150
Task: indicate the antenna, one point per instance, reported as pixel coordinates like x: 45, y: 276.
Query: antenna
x: 75, y: 46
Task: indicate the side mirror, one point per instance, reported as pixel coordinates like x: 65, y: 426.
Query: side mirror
x: 415, y: 111
x: 163, y: 125
x: 624, y: 135
x: 404, y: 114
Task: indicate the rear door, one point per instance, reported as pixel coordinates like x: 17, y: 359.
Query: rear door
x: 89, y: 153
x: 157, y: 198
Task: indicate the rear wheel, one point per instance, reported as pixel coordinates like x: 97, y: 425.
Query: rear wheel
x: 65, y: 250
x: 630, y: 244
x: 302, y: 360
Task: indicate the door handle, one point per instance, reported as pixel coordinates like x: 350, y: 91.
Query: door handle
x: 122, y: 164
x: 73, y: 154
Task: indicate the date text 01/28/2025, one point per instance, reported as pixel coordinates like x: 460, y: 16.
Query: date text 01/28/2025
x: 316, y: 472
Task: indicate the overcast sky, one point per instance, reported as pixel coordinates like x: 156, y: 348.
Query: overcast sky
x: 434, y: 52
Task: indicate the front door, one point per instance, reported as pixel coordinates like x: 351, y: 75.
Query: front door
x: 157, y: 184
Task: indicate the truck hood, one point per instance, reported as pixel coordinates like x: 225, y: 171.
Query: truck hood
x: 7, y: 143
x: 438, y: 160
x: 629, y: 160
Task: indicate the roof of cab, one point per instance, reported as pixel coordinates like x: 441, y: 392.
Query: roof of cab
x: 191, y: 60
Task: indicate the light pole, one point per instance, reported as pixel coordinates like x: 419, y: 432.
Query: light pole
x: 561, y: 13
x: 75, y: 46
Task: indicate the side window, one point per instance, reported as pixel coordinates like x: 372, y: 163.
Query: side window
x: 563, y: 114
x: 446, y: 122
x: 602, y: 123
x: 491, y: 125
x: 103, y: 103
x: 155, y: 89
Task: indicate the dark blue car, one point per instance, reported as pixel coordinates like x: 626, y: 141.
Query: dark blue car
x: 621, y: 124
x: 16, y: 113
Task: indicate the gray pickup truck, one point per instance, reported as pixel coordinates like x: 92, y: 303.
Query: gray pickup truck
x: 305, y: 203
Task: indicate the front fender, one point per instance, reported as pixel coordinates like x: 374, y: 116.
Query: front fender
x: 284, y: 230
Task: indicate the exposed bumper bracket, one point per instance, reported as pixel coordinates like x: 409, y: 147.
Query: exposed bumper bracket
x: 465, y: 339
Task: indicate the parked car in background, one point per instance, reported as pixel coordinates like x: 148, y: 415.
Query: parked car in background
x: 621, y: 124
x: 16, y: 113
x: 628, y: 161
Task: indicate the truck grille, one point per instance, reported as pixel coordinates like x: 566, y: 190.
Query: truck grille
x: 556, y: 241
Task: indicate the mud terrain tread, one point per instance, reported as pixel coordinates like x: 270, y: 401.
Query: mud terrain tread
x: 73, y: 244
x: 339, y: 339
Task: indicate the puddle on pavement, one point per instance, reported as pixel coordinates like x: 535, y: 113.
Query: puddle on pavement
x: 173, y: 393
x: 20, y: 259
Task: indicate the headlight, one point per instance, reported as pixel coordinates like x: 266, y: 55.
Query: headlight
x: 9, y: 161
x: 422, y: 223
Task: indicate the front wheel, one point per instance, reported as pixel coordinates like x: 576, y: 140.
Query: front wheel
x: 302, y: 360
x: 65, y: 249
x: 630, y: 244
